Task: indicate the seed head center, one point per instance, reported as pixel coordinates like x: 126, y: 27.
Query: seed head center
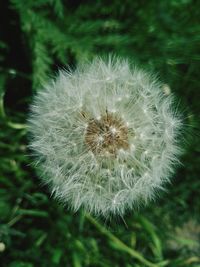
x: 107, y: 134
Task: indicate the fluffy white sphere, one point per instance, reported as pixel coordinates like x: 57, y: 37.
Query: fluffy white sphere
x: 104, y: 136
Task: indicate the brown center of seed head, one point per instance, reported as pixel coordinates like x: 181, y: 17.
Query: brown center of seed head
x: 107, y: 135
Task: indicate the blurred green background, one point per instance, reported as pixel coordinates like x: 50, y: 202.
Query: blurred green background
x: 36, y: 39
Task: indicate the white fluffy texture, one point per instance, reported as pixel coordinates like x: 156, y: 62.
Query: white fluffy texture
x: 104, y: 185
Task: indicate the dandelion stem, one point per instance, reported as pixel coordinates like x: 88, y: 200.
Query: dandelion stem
x: 120, y: 244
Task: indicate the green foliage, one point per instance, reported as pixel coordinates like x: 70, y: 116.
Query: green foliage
x: 38, y: 38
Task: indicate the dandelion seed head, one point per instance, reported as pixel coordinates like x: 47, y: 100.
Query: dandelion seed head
x: 104, y: 136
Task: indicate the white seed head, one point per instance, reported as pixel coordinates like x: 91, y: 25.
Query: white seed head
x: 2, y: 247
x: 100, y: 153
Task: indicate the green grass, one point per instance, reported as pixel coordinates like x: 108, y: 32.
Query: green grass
x: 37, y: 38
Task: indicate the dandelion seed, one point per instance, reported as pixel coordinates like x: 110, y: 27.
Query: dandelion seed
x: 106, y: 147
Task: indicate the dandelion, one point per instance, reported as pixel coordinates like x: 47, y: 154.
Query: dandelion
x: 104, y: 136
